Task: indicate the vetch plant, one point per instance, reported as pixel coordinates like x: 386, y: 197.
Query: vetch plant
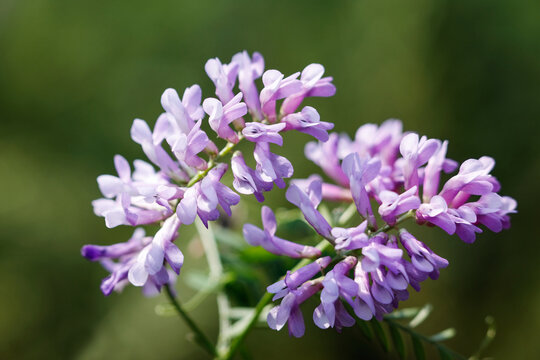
x: 356, y: 257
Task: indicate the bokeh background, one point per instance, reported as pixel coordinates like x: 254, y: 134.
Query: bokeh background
x: 74, y: 74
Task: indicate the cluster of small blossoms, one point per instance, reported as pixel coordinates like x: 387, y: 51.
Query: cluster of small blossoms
x: 183, y: 180
x: 372, y: 269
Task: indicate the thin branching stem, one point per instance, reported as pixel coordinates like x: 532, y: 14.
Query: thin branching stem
x: 200, y: 337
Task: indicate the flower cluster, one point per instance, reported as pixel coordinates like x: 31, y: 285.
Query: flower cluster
x: 183, y: 179
x: 372, y: 267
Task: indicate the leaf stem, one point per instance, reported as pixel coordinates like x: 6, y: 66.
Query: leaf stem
x: 413, y: 333
x: 200, y: 337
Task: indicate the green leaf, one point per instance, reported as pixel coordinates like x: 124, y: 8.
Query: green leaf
x: 418, y: 348
x: 406, y: 313
x: 197, y: 280
x: 166, y: 310
x: 443, y: 335
x: 379, y: 333
x: 421, y: 316
x: 365, y: 329
x: 397, y: 339
x: 229, y: 238
x: 444, y: 354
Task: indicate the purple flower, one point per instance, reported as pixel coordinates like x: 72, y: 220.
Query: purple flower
x: 465, y: 218
x: 313, y: 84
x: 289, y: 309
x: 182, y: 114
x: 326, y: 156
x: 220, y: 116
x: 272, y: 167
x: 351, y: 238
x: 416, y: 152
x: 366, y: 306
x: 333, y: 192
x: 246, y: 180
x: 307, y: 200
x: 381, y: 141
x: 277, y: 87
x: 423, y: 259
x: 436, y: 212
x: 394, y: 205
x: 336, y: 284
x: 151, y: 145
x: 186, y: 147
x: 472, y: 179
x: 128, y: 254
x: 295, y: 279
x: 261, y: 133
x: 113, y: 186
x: 433, y: 169
x: 223, y: 76
x: 266, y: 238
x: 308, y: 121
x: 150, y: 260
x: 492, y: 210
x: 120, y: 212
x: 136, y: 243
x: 360, y: 172
x: 204, y: 197
x: 248, y: 71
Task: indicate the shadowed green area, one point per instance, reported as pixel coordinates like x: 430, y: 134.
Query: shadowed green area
x: 74, y: 74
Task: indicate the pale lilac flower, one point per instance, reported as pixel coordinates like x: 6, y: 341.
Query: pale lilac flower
x: 203, y: 198
x: 127, y: 254
x: 246, y: 180
x: 313, y: 84
x: 326, y: 156
x: 295, y: 279
x: 113, y: 186
x: 187, y: 146
x: 465, y: 218
x: 272, y: 167
x: 394, y: 205
x: 150, y: 260
x: 360, y: 172
x: 136, y: 243
x: 472, y: 179
x: 436, y: 212
x: 248, y: 71
x: 377, y: 254
x: 492, y: 210
x: 336, y: 193
x: 277, y: 87
x: 382, y: 141
x: 266, y: 238
x: 416, y: 152
x: 289, y: 309
x: 422, y: 258
x: 336, y: 284
x: 257, y: 133
x: 437, y: 163
x: 220, y: 116
x: 307, y: 200
x: 366, y: 306
x: 121, y: 212
x: 223, y: 76
x: 351, y: 238
x: 182, y: 114
x: 308, y: 121
x: 151, y: 145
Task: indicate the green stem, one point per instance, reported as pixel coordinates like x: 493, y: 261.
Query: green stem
x: 424, y: 338
x: 216, y: 270
x: 200, y: 337
x: 265, y: 300
x: 402, y: 218
x: 213, y: 162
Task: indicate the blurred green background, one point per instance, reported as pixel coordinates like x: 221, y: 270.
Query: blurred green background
x: 74, y: 74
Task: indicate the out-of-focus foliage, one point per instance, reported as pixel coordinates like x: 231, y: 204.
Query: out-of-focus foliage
x: 74, y: 74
